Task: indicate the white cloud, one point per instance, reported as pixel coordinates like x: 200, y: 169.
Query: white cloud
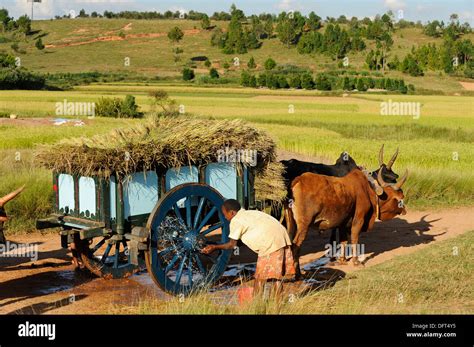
x: 50, y: 8
x: 394, y: 4
x: 44, y: 9
x: 289, y: 5
x: 466, y: 16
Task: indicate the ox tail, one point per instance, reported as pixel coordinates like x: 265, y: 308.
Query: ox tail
x: 289, y: 216
x: 290, y: 223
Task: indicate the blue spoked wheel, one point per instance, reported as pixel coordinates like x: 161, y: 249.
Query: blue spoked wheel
x: 185, y: 220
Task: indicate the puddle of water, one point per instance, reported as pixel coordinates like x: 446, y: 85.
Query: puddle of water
x: 314, y: 265
x: 239, y: 269
x: 65, y: 279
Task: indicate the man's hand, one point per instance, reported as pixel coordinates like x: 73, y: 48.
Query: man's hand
x: 208, y: 249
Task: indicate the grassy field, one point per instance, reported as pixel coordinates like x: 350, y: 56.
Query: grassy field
x: 433, y: 280
x: 321, y: 126
x: 150, y: 53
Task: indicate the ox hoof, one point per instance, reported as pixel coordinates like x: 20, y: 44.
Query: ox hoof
x: 341, y: 261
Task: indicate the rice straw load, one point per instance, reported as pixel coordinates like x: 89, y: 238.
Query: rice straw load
x: 166, y: 143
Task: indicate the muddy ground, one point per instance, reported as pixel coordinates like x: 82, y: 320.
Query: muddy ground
x: 50, y: 284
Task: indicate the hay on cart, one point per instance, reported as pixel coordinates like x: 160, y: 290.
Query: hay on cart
x: 167, y: 143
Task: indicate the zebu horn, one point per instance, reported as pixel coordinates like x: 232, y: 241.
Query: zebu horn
x: 399, y: 184
x: 375, y: 185
x: 394, y: 157
x: 10, y: 196
x: 380, y: 180
x: 381, y: 156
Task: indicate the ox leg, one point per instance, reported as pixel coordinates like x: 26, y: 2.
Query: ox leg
x: 296, y: 248
x: 343, y: 238
x: 2, y: 235
x: 355, y: 231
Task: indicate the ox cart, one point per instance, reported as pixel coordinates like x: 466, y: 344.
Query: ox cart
x: 159, y: 218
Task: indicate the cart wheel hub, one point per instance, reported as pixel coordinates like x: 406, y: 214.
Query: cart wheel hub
x: 190, y: 241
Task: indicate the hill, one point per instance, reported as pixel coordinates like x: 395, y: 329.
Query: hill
x: 142, y: 47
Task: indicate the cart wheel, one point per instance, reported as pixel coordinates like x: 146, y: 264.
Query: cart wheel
x: 108, y: 258
x: 186, y: 219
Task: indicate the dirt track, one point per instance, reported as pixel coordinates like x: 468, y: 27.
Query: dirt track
x: 50, y: 285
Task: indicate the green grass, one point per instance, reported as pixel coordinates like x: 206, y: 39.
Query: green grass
x: 322, y: 126
x: 430, y: 281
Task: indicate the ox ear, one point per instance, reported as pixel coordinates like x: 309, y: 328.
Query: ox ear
x: 10, y: 196
x: 392, y: 160
x: 381, y: 156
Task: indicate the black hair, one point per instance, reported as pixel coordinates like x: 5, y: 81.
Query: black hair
x: 232, y: 205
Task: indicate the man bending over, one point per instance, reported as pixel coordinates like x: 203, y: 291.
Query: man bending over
x: 264, y: 235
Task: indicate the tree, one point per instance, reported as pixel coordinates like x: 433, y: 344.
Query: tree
x: 205, y: 22
x: 175, y: 34
x: 245, y: 79
x: 7, y: 60
x: 161, y: 98
x: 24, y: 24
x: 207, y: 63
x: 39, y: 44
x: 268, y: 28
x: 314, y: 22
x: 307, y: 81
x: 361, y: 86
x: 235, y: 40
x: 295, y: 81
x: 251, y: 63
x: 213, y: 73
x: 188, y: 74
x: 82, y: 13
x: 270, y: 64
x: 287, y: 31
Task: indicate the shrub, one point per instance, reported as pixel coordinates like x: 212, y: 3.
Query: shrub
x: 167, y: 105
x: 272, y: 81
x: 282, y: 82
x: 39, y: 44
x: 307, y: 81
x: 188, y: 74
x: 175, y: 34
x: 270, y: 64
x: 295, y: 81
x: 251, y: 63
x: 117, y: 108
x: 262, y: 80
x: 20, y: 79
x: 213, y: 73
x: 7, y: 60
x: 322, y: 82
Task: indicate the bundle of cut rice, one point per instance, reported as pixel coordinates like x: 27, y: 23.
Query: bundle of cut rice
x: 167, y: 143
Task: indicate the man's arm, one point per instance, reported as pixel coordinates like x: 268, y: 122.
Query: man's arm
x: 211, y: 248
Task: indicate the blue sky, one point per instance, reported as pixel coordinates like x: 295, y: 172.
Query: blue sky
x: 423, y: 10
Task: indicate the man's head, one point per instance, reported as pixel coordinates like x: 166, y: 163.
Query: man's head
x: 230, y: 207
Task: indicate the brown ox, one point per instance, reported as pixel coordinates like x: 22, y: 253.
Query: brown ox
x: 341, y: 202
x: 3, y: 214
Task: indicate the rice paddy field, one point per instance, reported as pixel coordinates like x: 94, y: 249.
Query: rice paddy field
x: 437, y: 147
